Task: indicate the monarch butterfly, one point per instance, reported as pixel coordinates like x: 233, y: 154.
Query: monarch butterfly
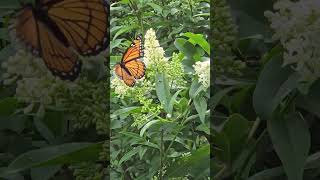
x: 53, y: 29
x: 131, y: 67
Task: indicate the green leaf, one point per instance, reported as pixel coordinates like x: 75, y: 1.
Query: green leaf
x: 195, y: 89
x: 313, y: 162
x: 147, y: 126
x: 56, y: 122
x: 132, y: 135
x: 125, y: 1
x: 114, y: 60
x: 200, y: 103
x: 217, y: 97
x: 115, y: 43
x: 203, y: 127
x: 185, y: 46
x: 230, y: 141
x: 128, y: 155
x: 55, y: 155
x: 126, y: 110
x: 15, y: 122
x: 291, y: 139
x: 44, y: 173
x: 311, y: 101
x: 268, y: 174
x: 202, y: 14
x: 87, y: 153
x: 149, y: 144
x: 156, y: 7
x: 198, y: 39
x: 142, y: 151
x: 197, y: 164
x: 125, y: 30
x: 163, y: 91
x: 172, y: 101
x: 44, y: 130
x: 183, y: 105
x: 274, y: 84
x: 9, y: 176
x: 8, y: 106
x: 251, y: 19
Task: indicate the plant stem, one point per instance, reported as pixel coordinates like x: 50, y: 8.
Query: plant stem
x: 135, y: 8
x: 123, y: 166
x: 251, y: 151
x: 221, y: 173
x: 254, y: 128
x: 175, y: 136
x: 191, y: 8
x: 161, y: 156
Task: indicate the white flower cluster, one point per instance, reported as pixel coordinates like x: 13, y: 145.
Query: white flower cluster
x: 35, y: 84
x: 120, y: 88
x: 153, y: 53
x: 202, y: 71
x: 297, y: 26
x: 23, y: 64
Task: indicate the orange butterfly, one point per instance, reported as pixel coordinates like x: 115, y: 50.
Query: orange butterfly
x: 131, y: 67
x: 52, y: 29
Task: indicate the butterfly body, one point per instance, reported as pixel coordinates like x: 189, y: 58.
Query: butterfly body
x: 59, y: 30
x: 131, y: 66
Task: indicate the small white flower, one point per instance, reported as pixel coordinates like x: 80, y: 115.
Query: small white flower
x: 169, y: 116
x: 120, y: 88
x: 186, y: 154
x: 297, y: 26
x: 202, y: 71
x: 153, y: 53
x: 35, y: 85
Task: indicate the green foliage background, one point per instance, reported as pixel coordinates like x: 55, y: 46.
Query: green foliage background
x: 161, y: 130
x: 263, y: 119
x: 264, y: 123
x: 64, y: 133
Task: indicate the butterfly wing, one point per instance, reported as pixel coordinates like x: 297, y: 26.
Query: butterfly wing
x: 131, y: 59
x: 82, y: 22
x: 131, y: 67
x: 135, y: 51
x: 25, y: 28
x: 124, y: 75
x: 136, y: 68
x: 61, y: 61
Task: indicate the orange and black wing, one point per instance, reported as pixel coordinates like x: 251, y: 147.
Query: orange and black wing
x: 136, y: 68
x: 123, y: 74
x: 135, y: 51
x: 61, y: 60
x: 82, y: 22
x: 25, y: 29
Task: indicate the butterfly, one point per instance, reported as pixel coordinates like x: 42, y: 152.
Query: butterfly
x: 59, y: 30
x: 131, y: 67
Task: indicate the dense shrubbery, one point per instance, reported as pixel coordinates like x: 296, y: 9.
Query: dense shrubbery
x: 260, y: 105
x: 160, y: 127
x: 266, y: 91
